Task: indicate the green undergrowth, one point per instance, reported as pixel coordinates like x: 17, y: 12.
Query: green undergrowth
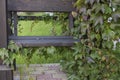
x: 38, y: 28
x: 42, y: 55
x: 39, y: 58
x: 47, y: 26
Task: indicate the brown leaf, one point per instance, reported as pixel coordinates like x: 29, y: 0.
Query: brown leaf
x: 74, y: 14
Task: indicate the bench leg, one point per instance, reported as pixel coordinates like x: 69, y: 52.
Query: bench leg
x: 14, y: 64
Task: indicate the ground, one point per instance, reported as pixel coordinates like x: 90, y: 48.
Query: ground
x: 40, y: 72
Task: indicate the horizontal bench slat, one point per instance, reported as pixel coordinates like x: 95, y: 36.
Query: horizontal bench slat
x: 3, y: 24
x: 6, y: 73
x: 43, y: 41
x: 38, y: 37
x: 38, y: 43
x: 41, y: 5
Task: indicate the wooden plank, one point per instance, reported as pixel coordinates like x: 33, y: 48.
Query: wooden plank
x: 3, y: 24
x: 38, y: 43
x: 38, y: 37
x: 2, y: 75
x: 15, y: 18
x: 71, y: 21
x: 1, y: 61
x: 9, y: 75
x: 27, y: 41
x: 6, y: 73
x: 41, y: 5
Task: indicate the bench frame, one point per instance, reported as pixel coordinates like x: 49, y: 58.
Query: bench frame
x: 9, y: 7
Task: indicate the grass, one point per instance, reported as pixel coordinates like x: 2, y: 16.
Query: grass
x: 38, y: 28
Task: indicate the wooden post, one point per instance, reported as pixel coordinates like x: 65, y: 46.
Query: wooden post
x: 71, y: 21
x: 40, y: 5
x: 6, y: 73
x: 15, y: 17
x: 3, y: 24
x: 1, y: 61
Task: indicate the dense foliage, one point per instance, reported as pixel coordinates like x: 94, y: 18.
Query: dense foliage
x: 41, y: 55
x: 96, y: 57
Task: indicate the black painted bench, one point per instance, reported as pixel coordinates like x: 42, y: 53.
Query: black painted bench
x: 6, y: 73
x: 9, y: 9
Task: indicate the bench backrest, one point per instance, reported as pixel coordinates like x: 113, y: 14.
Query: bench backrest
x: 7, y: 6
x: 40, y: 5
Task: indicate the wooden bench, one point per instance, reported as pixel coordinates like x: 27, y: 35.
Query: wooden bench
x: 6, y: 73
x: 9, y: 9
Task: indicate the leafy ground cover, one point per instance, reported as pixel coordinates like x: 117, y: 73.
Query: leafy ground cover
x: 42, y: 55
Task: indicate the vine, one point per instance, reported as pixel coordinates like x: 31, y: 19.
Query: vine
x: 94, y: 57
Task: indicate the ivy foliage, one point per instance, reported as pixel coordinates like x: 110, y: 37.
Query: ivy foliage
x: 97, y: 26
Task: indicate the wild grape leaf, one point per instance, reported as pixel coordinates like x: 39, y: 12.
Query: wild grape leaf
x: 99, y: 20
x: 3, y: 53
x: 96, y: 8
x: 83, y: 10
x: 90, y: 60
x: 97, y: 1
x: 116, y: 16
x: 90, y: 1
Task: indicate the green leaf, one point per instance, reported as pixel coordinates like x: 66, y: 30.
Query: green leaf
x: 51, y: 50
x: 98, y: 20
x: 108, y: 34
x: 4, y: 53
